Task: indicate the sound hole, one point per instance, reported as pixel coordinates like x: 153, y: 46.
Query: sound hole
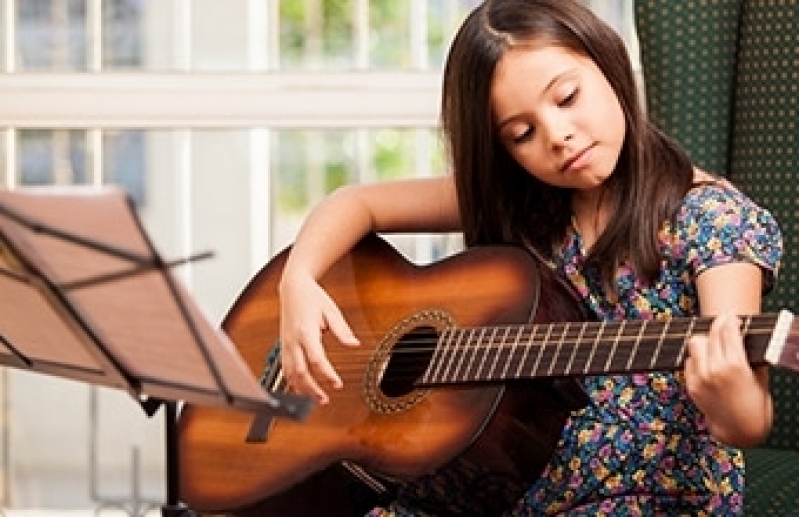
x: 408, y: 361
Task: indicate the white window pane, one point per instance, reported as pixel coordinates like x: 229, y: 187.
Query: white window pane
x: 52, y: 157
x: 219, y: 34
x: 212, y: 35
x: 164, y: 35
x: 219, y: 217
x: 309, y: 164
x: 123, y: 33
x: 51, y: 35
x: 317, y: 34
x: 4, y: 36
x: 7, y: 162
x: 443, y: 19
x: 125, y: 162
x: 389, y: 28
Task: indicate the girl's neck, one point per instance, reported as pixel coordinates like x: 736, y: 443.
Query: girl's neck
x: 590, y: 215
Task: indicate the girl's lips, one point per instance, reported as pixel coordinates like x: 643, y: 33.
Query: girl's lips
x: 578, y: 160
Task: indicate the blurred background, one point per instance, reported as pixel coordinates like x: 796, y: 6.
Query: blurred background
x: 225, y: 121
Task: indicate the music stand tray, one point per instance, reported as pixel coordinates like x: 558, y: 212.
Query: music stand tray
x: 86, y: 296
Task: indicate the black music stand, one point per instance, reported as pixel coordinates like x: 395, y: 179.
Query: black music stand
x: 84, y: 295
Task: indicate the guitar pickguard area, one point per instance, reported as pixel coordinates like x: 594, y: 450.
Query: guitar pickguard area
x: 400, y: 359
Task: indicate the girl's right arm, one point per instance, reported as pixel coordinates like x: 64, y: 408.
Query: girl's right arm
x: 332, y: 228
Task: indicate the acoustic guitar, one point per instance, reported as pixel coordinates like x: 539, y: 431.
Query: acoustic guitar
x: 466, y: 370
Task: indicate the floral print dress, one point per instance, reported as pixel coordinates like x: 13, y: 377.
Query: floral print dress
x: 640, y: 446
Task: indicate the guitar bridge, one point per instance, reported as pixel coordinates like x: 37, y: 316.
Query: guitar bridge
x: 271, y: 379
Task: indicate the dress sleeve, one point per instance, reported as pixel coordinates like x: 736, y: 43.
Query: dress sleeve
x: 722, y: 225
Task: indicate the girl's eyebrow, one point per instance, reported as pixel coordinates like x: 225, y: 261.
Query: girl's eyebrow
x: 556, y: 79
x: 566, y: 74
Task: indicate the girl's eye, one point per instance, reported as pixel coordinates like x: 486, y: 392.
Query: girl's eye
x: 569, y: 99
x: 523, y: 136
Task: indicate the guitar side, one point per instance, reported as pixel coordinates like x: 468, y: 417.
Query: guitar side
x: 402, y: 434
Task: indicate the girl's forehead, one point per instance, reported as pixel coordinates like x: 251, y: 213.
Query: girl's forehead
x: 536, y: 65
x: 541, y: 47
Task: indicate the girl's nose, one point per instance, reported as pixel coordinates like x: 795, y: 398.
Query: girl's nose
x: 560, y: 133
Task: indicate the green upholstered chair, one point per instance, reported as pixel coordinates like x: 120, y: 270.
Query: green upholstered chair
x: 722, y: 77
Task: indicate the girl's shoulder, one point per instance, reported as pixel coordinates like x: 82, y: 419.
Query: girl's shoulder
x: 713, y: 197
x: 717, y: 222
x: 715, y: 210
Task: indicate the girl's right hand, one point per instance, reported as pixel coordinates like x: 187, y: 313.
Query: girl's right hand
x: 307, y: 311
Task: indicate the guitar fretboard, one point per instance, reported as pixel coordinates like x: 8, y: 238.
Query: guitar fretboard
x: 510, y: 352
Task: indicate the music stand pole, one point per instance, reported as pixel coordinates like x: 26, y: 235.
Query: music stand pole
x: 173, y: 506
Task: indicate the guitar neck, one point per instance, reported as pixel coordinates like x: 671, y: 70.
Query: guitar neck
x: 503, y: 353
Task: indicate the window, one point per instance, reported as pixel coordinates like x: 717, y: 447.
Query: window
x: 225, y: 121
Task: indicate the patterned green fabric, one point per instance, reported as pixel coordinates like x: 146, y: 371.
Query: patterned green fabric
x: 785, y: 390
x: 688, y: 58
x: 722, y: 78
x: 765, y: 158
x: 765, y: 142
x: 772, y: 482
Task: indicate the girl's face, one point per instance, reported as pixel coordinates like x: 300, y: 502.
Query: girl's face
x: 557, y: 116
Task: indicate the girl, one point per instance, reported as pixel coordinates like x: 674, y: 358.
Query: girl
x: 551, y: 150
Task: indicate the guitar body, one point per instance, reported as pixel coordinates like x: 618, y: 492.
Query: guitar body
x: 381, y: 421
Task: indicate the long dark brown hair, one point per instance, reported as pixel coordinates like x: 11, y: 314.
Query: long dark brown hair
x: 500, y: 202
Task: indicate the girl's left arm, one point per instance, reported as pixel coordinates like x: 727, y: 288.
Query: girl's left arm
x: 733, y: 396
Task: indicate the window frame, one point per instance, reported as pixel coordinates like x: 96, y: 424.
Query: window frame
x: 219, y: 100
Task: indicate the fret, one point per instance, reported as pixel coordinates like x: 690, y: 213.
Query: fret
x: 526, y: 352
x: 512, y: 354
x: 556, y: 351
x: 510, y: 358
x: 576, y: 345
x: 498, y: 351
x: 541, y: 350
x: 594, y: 346
x: 623, y: 351
x: 486, y: 348
x: 460, y: 355
x: 553, y: 351
x: 511, y: 351
x: 639, y: 339
x: 472, y: 350
x: 685, y: 338
x: 568, y: 348
x: 659, y: 344
x: 446, y: 360
x: 612, y: 351
x: 510, y: 347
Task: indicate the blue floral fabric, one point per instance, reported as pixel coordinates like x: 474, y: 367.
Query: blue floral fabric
x: 641, y: 447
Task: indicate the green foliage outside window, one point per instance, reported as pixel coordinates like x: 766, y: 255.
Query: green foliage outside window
x: 322, y: 33
x: 316, y: 33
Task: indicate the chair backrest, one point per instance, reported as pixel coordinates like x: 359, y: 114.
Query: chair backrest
x: 722, y: 78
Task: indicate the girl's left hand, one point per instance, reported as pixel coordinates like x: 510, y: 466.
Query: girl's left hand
x: 732, y: 395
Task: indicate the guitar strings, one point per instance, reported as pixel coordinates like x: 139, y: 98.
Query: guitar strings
x: 349, y: 362
x: 425, y: 344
